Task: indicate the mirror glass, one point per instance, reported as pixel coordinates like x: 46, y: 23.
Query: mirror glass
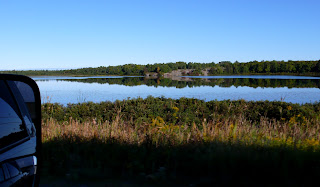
x: 20, y: 131
x: 12, y: 127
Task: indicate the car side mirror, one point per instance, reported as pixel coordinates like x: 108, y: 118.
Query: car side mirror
x: 20, y: 128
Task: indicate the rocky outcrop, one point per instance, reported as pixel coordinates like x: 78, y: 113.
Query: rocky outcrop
x: 184, y: 72
x: 205, y: 72
x: 177, y: 73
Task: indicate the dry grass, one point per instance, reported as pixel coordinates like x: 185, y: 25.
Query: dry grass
x: 240, y: 132
x: 225, y: 152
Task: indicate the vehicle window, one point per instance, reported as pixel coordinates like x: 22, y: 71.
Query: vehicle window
x: 11, y: 127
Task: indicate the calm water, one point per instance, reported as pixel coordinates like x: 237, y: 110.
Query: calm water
x: 293, y: 89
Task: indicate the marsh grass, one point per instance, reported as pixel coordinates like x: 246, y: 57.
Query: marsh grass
x: 225, y: 151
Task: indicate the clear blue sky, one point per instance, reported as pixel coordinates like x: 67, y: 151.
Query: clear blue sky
x: 89, y: 33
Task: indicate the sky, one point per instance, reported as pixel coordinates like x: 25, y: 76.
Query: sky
x: 66, y: 34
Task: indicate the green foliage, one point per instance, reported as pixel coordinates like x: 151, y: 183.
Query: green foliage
x: 183, y: 111
x: 224, y: 67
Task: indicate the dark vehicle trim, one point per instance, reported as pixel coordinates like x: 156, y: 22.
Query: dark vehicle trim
x: 36, y: 121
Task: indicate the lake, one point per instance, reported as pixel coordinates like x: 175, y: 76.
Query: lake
x: 295, y: 89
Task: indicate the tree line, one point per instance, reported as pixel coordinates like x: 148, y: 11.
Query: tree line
x: 221, y: 68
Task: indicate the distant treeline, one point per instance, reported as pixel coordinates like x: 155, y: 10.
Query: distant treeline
x: 221, y: 68
x: 196, y: 82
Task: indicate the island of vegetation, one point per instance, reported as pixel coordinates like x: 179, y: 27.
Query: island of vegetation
x: 311, y: 68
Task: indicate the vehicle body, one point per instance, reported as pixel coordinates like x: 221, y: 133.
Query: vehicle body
x: 20, y: 131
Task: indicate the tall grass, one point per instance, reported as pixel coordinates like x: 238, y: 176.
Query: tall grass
x: 229, y: 150
x: 237, y: 131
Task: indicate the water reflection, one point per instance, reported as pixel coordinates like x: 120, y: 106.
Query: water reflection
x: 81, y: 89
x: 182, y: 82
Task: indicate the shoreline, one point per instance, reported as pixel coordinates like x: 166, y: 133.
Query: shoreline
x: 191, y: 76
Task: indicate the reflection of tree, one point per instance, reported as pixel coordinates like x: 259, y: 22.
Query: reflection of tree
x: 196, y: 82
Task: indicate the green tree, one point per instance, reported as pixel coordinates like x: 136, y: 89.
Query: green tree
x: 260, y: 67
x: 318, y: 66
x: 236, y: 67
x: 245, y: 68
x: 267, y: 67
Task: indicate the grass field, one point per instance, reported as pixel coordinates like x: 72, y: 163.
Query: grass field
x: 230, y: 149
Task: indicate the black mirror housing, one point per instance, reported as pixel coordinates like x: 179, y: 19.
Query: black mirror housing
x: 20, y: 131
